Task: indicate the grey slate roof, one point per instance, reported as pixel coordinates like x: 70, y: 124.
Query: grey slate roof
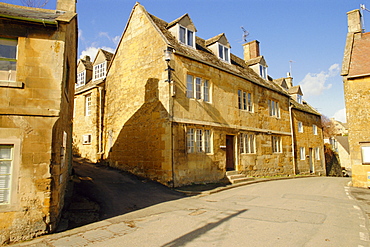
x: 29, y: 14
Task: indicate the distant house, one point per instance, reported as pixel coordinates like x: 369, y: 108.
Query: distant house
x: 180, y: 109
x: 356, y: 78
x: 37, y: 74
x: 89, y: 105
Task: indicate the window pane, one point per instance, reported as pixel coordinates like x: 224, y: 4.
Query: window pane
x: 240, y: 99
x: 6, y: 151
x: 189, y: 87
x: 190, y: 140
x: 199, y: 141
x: 182, y: 34
x: 251, y: 143
x: 220, y: 51
x: 206, y: 91
x: 250, y: 106
x: 190, y: 38
x: 4, y: 196
x: 226, y: 54
x: 4, y: 181
x: 198, y: 88
x: 244, y: 100
x: 207, y: 141
x: 241, y: 143
x: 5, y: 167
x: 8, y: 48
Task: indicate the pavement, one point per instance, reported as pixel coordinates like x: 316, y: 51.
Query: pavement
x: 124, y: 223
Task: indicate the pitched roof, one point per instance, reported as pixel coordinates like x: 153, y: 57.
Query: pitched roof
x: 295, y: 90
x: 281, y: 82
x: 202, y: 54
x: 44, y: 16
x: 108, y: 55
x: 253, y: 61
x: 215, y: 39
x: 88, y: 64
x: 304, y: 107
x: 172, y: 23
x: 359, y: 60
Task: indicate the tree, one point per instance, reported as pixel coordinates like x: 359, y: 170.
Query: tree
x: 35, y: 3
x: 328, y: 127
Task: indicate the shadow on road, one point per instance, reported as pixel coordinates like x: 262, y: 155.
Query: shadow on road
x: 102, y: 192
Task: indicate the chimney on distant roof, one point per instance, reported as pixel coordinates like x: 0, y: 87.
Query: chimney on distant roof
x: 289, y: 80
x: 354, y: 21
x: 67, y: 5
x: 251, y: 50
x: 86, y: 58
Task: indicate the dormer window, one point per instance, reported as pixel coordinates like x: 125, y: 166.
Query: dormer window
x: 81, y: 78
x: 263, y: 72
x: 100, y: 70
x: 224, y: 52
x: 299, y: 98
x: 186, y: 36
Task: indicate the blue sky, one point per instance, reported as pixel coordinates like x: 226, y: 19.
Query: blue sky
x: 310, y: 33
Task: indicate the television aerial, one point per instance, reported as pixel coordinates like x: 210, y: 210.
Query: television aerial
x: 245, y: 34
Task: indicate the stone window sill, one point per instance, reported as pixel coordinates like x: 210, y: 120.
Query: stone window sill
x: 14, y: 84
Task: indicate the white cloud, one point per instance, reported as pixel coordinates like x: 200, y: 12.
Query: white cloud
x: 315, y: 84
x: 114, y: 40
x: 93, y: 50
x: 341, y: 115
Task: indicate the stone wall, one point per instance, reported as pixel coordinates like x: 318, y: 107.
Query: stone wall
x: 36, y: 119
x: 356, y: 93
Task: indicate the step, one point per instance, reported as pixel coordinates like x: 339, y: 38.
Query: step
x: 229, y: 173
x: 241, y: 180
x: 236, y: 176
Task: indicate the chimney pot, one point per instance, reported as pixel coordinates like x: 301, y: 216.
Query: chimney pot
x: 86, y: 58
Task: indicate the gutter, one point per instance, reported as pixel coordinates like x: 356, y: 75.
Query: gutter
x: 292, y: 133
x: 41, y: 21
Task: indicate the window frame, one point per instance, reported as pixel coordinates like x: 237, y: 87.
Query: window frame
x: 274, y: 108
x: 314, y: 129
x: 299, y: 98
x: 198, y: 88
x: 9, y: 175
x: 247, y: 143
x: 100, y: 71
x: 302, y: 153
x: 276, y: 144
x: 199, y: 140
x: 86, y: 139
x: 317, y: 153
x: 81, y: 79
x: 187, y: 37
x: 10, y: 81
x: 300, y: 127
x: 223, y: 52
x: 245, y: 101
x: 88, y: 104
x: 263, y: 71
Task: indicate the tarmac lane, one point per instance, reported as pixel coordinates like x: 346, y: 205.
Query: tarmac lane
x: 316, y: 211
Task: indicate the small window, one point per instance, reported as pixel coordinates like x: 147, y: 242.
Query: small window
x: 81, y: 79
x: 186, y: 36
x: 314, y: 129
x: 302, y: 153
x: 100, y: 70
x: 245, y: 101
x: 300, y: 127
x: 263, y: 72
x: 317, y: 153
x: 198, y: 88
x: 274, y: 109
x: 276, y: 144
x: 86, y: 139
x: 199, y: 140
x: 88, y: 105
x: 6, y: 161
x: 299, y: 98
x: 8, y: 59
x: 224, y: 52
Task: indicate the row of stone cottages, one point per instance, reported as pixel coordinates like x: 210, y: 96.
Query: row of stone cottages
x: 178, y: 109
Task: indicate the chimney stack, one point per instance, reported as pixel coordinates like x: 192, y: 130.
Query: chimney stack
x: 289, y: 80
x: 251, y: 50
x: 66, y: 5
x: 354, y: 21
x: 86, y: 58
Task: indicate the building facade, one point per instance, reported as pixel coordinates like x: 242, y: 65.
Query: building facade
x: 89, y: 105
x: 180, y: 109
x: 37, y: 75
x: 356, y: 79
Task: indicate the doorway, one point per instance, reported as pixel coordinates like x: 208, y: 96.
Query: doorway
x: 230, y: 153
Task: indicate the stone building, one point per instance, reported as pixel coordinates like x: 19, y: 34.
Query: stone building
x: 356, y: 79
x: 37, y: 75
x: 180, y: 109
x: 89, y: 105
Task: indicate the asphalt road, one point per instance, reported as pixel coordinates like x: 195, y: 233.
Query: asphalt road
x: 316, y: 211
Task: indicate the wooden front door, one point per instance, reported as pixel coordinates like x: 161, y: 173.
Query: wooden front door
x: 230, y: 153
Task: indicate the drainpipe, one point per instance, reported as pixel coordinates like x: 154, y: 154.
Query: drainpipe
x: 100, y: 122
x: 292, y: 133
